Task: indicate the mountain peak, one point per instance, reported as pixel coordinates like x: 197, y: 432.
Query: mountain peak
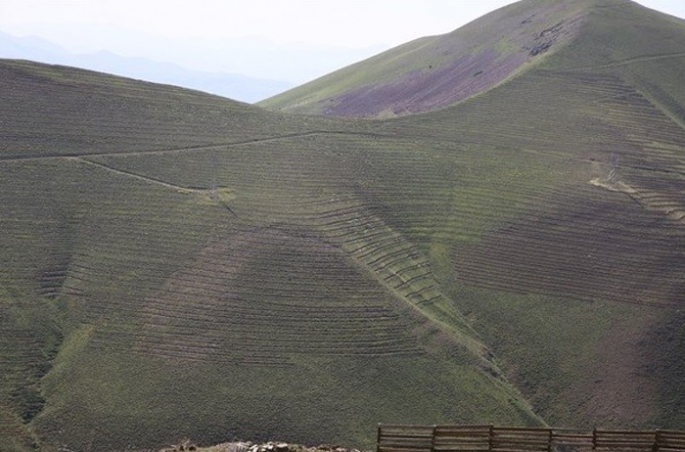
x: 435, y: 72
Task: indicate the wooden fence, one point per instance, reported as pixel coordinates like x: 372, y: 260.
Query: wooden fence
x: 487, y: 438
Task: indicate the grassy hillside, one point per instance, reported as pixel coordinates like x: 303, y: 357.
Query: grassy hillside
x: 178, y: 265
x: 237, y: 287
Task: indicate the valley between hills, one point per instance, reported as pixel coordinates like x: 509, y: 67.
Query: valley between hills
x: 486, y: 226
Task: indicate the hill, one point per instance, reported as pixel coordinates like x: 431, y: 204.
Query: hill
x: 600, y: 119
x: 179, y: 265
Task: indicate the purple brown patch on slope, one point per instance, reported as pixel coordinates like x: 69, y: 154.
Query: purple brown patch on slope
x: 429, y: 89
x: 433, y: 87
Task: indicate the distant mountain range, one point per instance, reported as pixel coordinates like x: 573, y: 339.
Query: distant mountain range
x: 234, y: 86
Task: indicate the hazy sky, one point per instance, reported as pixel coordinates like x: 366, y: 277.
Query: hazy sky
x: 142, y: 27
x: 352, y: 23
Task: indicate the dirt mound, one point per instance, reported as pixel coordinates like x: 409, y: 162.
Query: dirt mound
x: 271, y: 446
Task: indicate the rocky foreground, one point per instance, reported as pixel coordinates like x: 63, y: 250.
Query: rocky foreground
x: 247, y: 446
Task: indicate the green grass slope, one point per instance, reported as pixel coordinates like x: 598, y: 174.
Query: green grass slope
x: 234, y: 287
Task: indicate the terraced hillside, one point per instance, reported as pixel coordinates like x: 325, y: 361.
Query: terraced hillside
x: 234, y: 287
x: 173, y: 264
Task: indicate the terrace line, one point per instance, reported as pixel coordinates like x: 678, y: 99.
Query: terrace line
x: 202, y: 147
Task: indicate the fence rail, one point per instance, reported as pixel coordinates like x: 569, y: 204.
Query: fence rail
x: 487, y: 438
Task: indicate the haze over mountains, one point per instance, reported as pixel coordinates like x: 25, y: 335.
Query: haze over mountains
x: 295, y: 63
x: 234, y: 86
x: 507, y: 246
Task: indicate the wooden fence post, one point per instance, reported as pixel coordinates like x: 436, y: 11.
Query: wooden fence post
x: 594, y: 438
x: 378, y: 439
x: 549, y: 441
x: 435, y: 428
x: 491, y: 438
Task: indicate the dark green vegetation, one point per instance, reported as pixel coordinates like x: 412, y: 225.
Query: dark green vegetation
x: 179, y: 265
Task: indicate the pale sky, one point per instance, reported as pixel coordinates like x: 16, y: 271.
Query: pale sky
x: 156, y: 27
x: 352, y: 23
